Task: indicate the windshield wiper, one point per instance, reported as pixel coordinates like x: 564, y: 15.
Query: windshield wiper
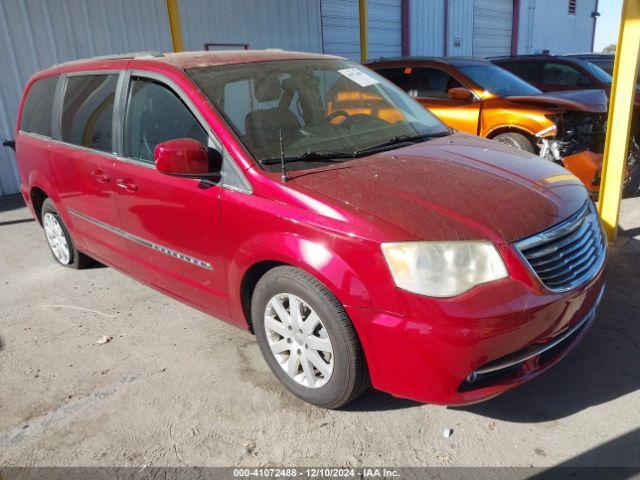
x: 318, y: 156
x: 400, y: 140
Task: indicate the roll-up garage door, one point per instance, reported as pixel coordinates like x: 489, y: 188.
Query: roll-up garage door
x: 492, y: 26
x: 341, y: 28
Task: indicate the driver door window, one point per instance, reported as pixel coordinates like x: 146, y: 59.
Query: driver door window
x: 154, y: 115
x: 434, y: 83
x: 563, y: 76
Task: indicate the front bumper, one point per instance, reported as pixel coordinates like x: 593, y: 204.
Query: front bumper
x: 472, y: 348
x: 587, y: 166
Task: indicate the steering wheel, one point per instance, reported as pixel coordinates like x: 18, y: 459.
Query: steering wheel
x: 346, y: 123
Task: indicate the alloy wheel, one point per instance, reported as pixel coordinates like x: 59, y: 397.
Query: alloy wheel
x: 56, y: 238
x: 298, y: 340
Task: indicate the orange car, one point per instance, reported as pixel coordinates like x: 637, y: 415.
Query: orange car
x: 478, y: 97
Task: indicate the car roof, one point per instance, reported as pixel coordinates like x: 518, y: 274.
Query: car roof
x: 184, y: 60
x: 453, y: 61
x: 591, y: 56
x: 517, y: 58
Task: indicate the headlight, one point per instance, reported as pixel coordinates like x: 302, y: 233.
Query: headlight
x: 443, y: 269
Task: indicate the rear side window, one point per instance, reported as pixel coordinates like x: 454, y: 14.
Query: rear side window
x: 87, y: 111
x: 154, y: 115
x: 36, y: 113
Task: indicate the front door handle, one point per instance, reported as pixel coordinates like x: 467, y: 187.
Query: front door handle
x: 127, y: 185
x: 100, y: 176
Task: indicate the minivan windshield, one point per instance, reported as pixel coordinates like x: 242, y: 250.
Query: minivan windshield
x: 314, y: 111
x: 598, y: 72
x: 498, y: 81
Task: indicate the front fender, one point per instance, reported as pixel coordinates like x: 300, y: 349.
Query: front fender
x: 317, y: 257
x: 503, y: 118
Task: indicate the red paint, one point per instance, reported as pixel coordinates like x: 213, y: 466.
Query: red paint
x: 445, y: 45
x: 515, y: 27
x: 593, y: 31
x: 182, y: 156
x: 330, y: 222
x: 406, y: 26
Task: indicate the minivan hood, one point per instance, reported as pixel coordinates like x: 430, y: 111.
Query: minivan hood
x: 581, y: 100
x: 458, y: 187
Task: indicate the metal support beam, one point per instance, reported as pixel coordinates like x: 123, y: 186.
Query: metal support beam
x: 174, y: 25
x: 621, y: 104
x: 362, y: 7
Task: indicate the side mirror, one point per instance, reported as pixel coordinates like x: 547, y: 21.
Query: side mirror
x: 186, y: 157
x: 459, y: 93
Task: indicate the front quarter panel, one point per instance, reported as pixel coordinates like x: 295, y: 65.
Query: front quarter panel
x: 499, y: 114
x: 259, y: 229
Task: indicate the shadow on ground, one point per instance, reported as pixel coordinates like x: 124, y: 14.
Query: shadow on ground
x: 11, y: 202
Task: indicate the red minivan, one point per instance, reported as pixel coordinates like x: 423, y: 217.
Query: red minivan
x: 437, y: 266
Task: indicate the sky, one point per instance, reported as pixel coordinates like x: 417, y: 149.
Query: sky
x: 607, y: 23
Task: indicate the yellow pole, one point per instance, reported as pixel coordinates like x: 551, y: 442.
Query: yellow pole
x: 174, y: 25
x: 362, y: 7
x: 619, y: 123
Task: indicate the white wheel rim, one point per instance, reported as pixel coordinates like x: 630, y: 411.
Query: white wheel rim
x: 298, y: 340
x: 56, y: 238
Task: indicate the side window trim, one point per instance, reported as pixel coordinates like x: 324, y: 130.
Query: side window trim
x: 56, y: 111
x: 58, y: 101
x: 232, y: 177
x: 53, y: 110
x: 119, y: 108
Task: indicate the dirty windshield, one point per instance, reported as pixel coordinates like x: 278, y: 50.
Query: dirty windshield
x: 314, y: 112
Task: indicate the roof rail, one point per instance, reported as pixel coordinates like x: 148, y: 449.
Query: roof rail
x: 118, y: 56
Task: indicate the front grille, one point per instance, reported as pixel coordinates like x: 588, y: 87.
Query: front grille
x: 568, y: 254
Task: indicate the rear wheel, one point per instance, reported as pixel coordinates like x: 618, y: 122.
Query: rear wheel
x: 60, y: 242
x: 307, y: 338
x: 515, y: 140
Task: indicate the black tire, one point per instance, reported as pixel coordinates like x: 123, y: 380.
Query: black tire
x: 77, y: 259
x: 515, y: 140
x: 350, y: 376
x: 632, y: 184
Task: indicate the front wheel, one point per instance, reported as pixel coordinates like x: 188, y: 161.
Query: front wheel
x: 515, y: 140
x: 307, y: 338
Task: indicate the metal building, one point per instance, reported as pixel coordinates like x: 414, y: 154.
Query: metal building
x: 35, y: 34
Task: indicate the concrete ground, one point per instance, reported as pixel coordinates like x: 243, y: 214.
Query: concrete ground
x: 175, y: 387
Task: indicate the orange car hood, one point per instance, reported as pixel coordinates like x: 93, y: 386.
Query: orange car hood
x: 581, y: 100
x: 459, y: 187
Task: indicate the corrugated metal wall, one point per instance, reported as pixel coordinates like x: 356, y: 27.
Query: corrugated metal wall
x: 341, y: 28
x: 426, y: 27
x: 286, y: 24
x: 384, y: 19
x: 492, y: 26
x: 35, y: 34
x: 547, y: 25
x: 460, y: 28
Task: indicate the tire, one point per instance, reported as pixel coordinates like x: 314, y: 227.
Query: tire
x: 632, y: 184
x: 59, y: 239
x: 515, y: 140
x: 349, y: 376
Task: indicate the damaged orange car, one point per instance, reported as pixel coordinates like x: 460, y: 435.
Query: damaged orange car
x: 478, y: 97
